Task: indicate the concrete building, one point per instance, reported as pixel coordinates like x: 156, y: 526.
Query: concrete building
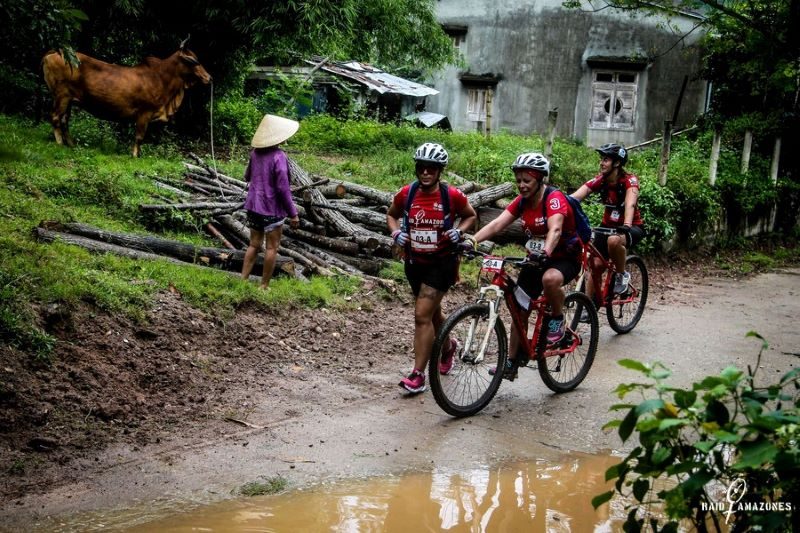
x: 611, y: 75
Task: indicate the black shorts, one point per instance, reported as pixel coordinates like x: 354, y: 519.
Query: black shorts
x: 265, y: 223
x: 634, y: 236
x: 440, y: 275
x: 530, y: 278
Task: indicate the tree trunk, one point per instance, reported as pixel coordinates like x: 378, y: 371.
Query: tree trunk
x: 367, y: 240
x: 513, y: 233
x: 229, y: 260
x: 191, y: 206
x: 338, y: 245
x: 487, y: 196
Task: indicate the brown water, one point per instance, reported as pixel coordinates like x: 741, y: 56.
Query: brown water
x: 537, y: 496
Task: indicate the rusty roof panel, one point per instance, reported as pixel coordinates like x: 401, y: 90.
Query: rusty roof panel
x: 377, y: 79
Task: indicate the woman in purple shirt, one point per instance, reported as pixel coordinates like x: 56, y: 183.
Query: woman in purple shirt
x: 269, y: 197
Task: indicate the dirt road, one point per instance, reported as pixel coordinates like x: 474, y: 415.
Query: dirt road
x: 341, y: 429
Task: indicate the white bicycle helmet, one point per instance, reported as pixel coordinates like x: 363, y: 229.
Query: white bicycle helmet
x: 431, y: 153
x: 534, y: 161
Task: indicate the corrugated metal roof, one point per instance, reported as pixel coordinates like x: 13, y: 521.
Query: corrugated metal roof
x: 377, y: 79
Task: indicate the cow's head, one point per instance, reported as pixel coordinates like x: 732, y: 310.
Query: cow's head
x: 193, y: 70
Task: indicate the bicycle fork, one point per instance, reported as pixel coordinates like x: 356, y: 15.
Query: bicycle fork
x: 493, y: 303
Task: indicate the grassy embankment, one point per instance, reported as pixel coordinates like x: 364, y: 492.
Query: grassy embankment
x: 98, y: 183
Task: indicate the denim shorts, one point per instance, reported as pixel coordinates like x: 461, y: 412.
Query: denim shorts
x: 265, y: 223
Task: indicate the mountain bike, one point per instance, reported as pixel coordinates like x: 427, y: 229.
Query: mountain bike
x: 622, y: 310
x: 482, y: 345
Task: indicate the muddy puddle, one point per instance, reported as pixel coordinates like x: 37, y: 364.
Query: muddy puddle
x: 525, y: 496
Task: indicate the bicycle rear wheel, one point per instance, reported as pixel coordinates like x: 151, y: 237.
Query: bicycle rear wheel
x: 624, y: 311
x: 468, y: 387
x: 565, y: 371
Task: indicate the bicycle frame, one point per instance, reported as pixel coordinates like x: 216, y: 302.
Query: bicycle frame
x: 503, y: 286
x: 602, y: 278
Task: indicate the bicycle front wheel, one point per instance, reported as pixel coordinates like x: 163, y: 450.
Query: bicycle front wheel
x: 564, y: 367
x: 625, y: 310
x: 463, y: 385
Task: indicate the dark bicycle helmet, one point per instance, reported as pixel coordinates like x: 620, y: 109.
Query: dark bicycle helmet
x: 614, y: 151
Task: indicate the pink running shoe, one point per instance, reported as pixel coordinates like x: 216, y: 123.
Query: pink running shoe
x: 414, y: 383
x: 556, y: 330
x: 446, y: 364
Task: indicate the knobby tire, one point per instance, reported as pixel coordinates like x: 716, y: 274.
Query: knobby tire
x: 623, y: 318
x: 562, y: 373
x: 468, y: 387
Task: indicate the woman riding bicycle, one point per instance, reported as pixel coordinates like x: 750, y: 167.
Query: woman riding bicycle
x: 619, y: 191
x: 553, y: 245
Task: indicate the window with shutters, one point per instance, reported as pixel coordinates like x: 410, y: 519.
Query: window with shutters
x: 613, y: 100
x: 476, y: 104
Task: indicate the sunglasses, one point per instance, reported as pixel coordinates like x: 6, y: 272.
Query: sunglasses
x: 430, y: 167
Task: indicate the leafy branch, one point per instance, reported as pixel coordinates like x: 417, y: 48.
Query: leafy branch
x: 693, y: 443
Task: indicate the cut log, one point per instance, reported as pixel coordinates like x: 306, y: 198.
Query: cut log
x: 231, y: 259
x: 333, y: 190
x: 374, y: 195
x: 512, y: 233
x: 218, y: 186
x: 191, y: 206
x: 358, y: 215
x: 225, y: 258
x: 367, y: 265
x: 490, y: 194
x: 368, y: 240
x: 214, y: 173
x: 212, y: 229
x: 174, y: 190
x: 338, y: 245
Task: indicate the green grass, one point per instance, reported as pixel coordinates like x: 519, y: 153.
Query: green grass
x: 102, y: 185
x: 272, y: 485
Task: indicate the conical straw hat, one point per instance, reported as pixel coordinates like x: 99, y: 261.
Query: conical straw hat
x: 274, y: 130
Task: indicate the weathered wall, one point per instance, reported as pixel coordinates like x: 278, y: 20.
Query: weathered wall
x: 539, y: 51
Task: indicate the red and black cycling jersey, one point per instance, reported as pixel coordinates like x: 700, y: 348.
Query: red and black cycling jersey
x: 426, y: 219
x: 534, y: 222
x: 613, y: 196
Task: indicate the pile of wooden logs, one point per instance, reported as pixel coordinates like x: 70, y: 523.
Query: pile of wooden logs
x: 342, y: 230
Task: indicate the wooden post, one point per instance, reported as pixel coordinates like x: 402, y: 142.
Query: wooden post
x: 489, y: 96
x: 773, y: 171
x: 776, y: 159
x: 552, y: 118
x: 748, y: 145
x: 665, y: 147
x: 715, y: 146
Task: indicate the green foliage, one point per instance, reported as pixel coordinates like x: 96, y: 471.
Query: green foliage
x: 695, y: 443
x: 272, y: 485
x: 236, y: 118
x: 29, y: 29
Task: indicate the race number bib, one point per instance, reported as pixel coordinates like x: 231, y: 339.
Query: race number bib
x: 492, y: 264
x: 424, y: 240
x: 535, y: 245
x: 615, y: 215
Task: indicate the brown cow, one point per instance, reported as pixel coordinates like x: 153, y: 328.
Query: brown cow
x: 150, y: 91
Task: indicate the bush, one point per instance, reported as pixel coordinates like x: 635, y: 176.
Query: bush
x: 236, y: 118
x: 723, y: 433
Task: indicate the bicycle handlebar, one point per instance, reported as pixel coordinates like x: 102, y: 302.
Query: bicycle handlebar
x: 619, y: 230
x: 472, y: 253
